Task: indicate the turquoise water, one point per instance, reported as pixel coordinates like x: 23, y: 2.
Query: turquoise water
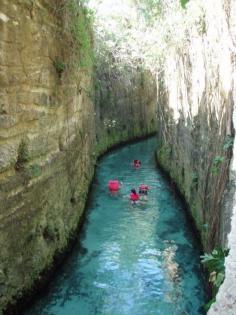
x: 130, y: 260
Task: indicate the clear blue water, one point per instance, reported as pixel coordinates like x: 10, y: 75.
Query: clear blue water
x: 130, y: 260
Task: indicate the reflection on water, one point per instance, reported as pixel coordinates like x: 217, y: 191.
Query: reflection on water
x: 170, y: 265
x: 131, y: 260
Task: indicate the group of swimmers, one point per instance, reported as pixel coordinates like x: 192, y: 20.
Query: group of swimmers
x: 114, y: 186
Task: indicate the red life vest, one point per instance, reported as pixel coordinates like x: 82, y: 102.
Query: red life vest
x: 134, y: 197
x: 113, y: 185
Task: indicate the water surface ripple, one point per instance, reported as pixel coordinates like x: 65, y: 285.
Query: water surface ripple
x: 131, y: 260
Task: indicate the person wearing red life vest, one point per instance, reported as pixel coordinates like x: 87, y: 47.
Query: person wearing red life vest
x: 143, y: 191
x: 133, y: 196
x: 113, y: 186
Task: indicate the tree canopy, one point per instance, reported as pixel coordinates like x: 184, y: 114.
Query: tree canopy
x: 141, y: 32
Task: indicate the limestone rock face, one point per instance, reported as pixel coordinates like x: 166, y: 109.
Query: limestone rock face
x: 195, y: 120
x: 47, y: 134
x: 196, y: 128
x: 125, y: 105
x: 48, y: 138
x: 226, y: 297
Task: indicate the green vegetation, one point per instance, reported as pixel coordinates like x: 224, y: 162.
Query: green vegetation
x: 29, y: 171
x: 183, y: 3
x: 23, y: 155
x: 218, y: 160
x: 51, y: 232
x: 195, y: 178
x: 34, y: 170
x: 59, y: 66
x: 2, y: 110
x: 163, y: 155
x: 149, y: 9
x: 80, y: 21
x: 215, y: 264
x: 141, y: 32
x: 228, y: 143
x: 205, y: 226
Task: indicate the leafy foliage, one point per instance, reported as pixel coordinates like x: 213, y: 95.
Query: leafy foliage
x: 183, y: 3
x: 79, y: 22
x: 149, y: 9
x: 59, y: 66
x: 22, y: 155
x: 214, y: 262
x: 228, y: 143
x: 141, y: 32
x: 218, y: 160
x: 34, y: 170
x: 195, y: 178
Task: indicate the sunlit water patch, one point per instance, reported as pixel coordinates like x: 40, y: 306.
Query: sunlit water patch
x: 130, y: 260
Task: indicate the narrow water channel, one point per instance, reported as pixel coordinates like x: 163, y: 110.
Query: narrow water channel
x: 130, y: 260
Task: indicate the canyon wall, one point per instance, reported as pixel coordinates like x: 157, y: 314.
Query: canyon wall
x: 226, y: 297
x: 196, y: 133
x: 47, y: 134
x: 195, y: 120
x: 51, y: 132
x: 125, y: 104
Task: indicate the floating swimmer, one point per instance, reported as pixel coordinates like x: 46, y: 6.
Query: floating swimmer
x: 134, y: 196
x: 143, y: 191
x: 114, y: 186
x: 136, y: 163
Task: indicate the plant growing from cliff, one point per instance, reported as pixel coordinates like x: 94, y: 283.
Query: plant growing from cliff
x: 79, y: 23
x: 195, y: 178
x: 183, y: 3
x: 215, y: 264
x: 22, y: 155
x: 218, y: 160
x: 34, y: 170
x: 228, y: 143
x: 59, y: 66
x: 164, y: 154
x: 2, y: 110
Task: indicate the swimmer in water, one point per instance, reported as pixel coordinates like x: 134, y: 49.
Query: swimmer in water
x: 136, y: 163
x: 114, y: 185
x: 134, y: 197
x: 143, y: 191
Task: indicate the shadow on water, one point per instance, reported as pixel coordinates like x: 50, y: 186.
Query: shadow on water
x: 139, y: 260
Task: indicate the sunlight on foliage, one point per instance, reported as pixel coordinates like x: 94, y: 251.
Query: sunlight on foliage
x: 215, y: 264
x: 139, y: 32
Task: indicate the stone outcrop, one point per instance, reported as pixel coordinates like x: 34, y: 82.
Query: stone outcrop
x: 48, y: 138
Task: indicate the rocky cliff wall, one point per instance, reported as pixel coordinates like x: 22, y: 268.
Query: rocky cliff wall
x: 125, y: 104
x: 226, y: 297
x: 195, y: 120
x: 48, y: 138
x: 47, y: 133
